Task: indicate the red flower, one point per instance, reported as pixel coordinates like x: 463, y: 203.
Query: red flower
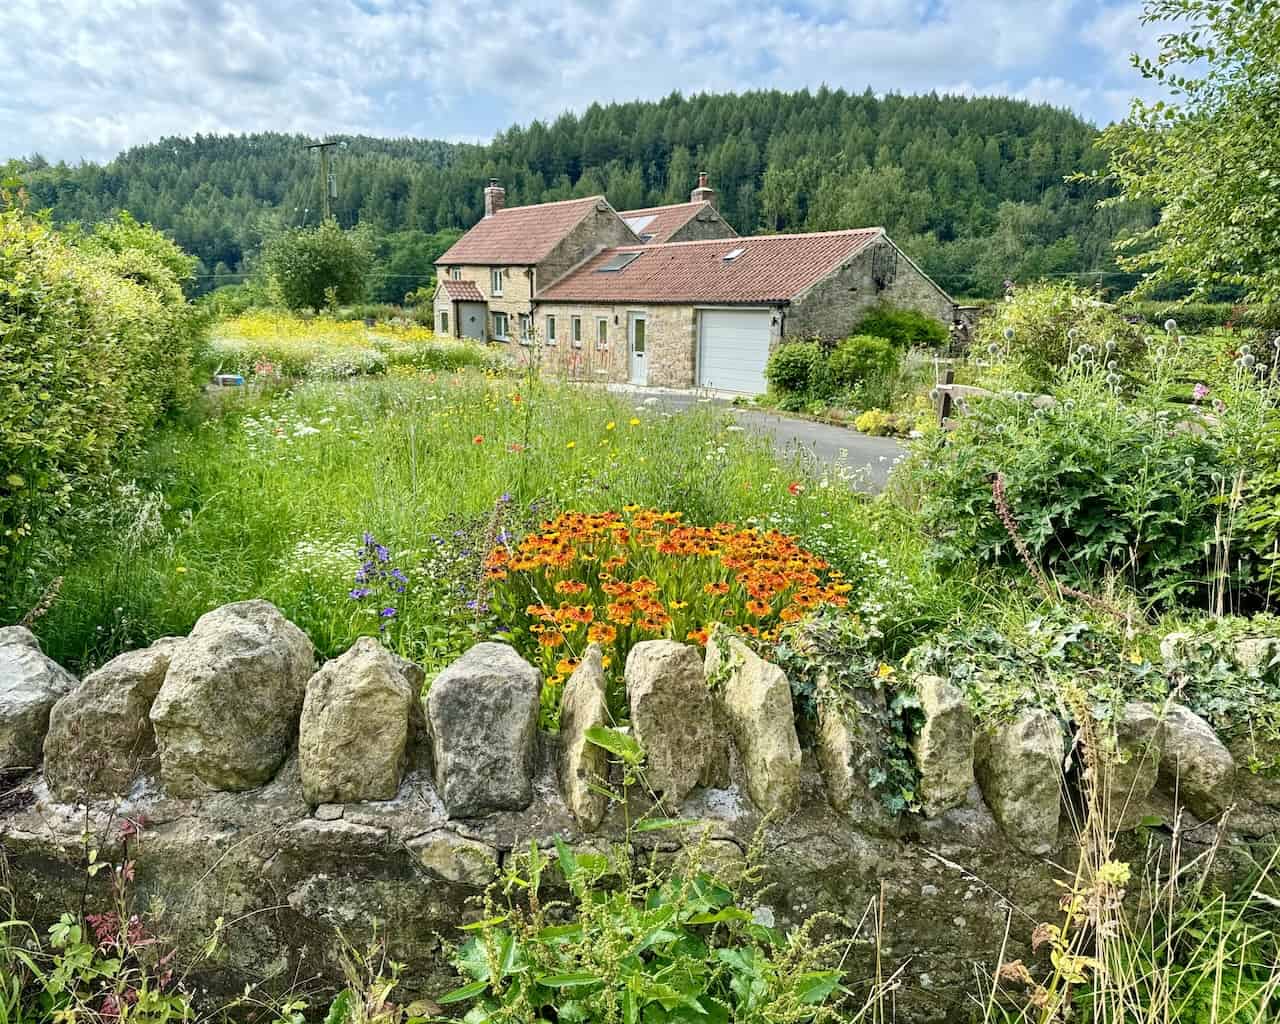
x: 795, y: 487
x: 478, y: 439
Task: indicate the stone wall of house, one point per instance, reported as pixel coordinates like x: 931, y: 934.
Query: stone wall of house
x: 707, y: 224
x: 600, y: 229
x: 516, y: 298
x: 671, y: 334
x: 830, y: 309
x: 310, y: 800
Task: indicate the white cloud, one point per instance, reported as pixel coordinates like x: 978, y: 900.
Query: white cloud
x: 88, y: 77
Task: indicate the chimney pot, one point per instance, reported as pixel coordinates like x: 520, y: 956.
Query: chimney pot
x: 704, y: 193
x: 495, y: 197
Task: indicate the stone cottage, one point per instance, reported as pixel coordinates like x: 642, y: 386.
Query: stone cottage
x: 667, y: 295
x: 707, y: 314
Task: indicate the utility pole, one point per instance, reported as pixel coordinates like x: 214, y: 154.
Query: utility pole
x: 328, y: 184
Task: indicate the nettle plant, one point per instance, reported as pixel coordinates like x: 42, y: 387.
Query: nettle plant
x: 1128, y: 476
x: 617, y: 578
x: 632, y: 936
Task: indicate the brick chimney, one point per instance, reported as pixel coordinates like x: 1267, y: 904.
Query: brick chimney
x: 495, y: 197
x: 704, y: 193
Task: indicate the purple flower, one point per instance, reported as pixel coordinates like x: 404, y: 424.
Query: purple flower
x: 1200, y: 392
x: 383, y: 554
x: 506, y: 497
x: 368, y: 539
x: 388, y: 613
x: 360, y: 592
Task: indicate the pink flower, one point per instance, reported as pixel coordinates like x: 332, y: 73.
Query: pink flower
x: 1200, y: 392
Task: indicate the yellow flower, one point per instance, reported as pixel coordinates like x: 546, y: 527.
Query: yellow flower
x: 572, y: 444
x: 180, y: 569
x: 606, y: 661
x: 1135, y: 657
x: 610, y: 425
x: 885, y: 671
x: 635, y: 421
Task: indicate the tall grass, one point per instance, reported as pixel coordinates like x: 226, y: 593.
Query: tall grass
x: 270, y: 493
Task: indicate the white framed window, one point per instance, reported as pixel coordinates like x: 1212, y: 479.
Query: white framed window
x: 500, y: 326
x: 526, y: 329
x: 444, y: 321
x: 455, y: 273
x: 602, y: 333
x: 551, y: 330
x: 575, y: 331
x: 495, y: 281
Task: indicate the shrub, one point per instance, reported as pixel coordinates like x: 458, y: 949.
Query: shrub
x: 1039, y: 326
x: 318, y: 267
x: 863, y: 357
x: 616, y: 579
x: 1097, y: 484
x: 793, y: 367
x: 904, y: 327
x: 96, y: 346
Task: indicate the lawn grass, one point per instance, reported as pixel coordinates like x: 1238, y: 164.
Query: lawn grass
x: 270, y: 493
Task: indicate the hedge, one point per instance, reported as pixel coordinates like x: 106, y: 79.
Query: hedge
x: 96, y: 343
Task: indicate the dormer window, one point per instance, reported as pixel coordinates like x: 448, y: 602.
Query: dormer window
x: 455, y: 273
x: 495, y: 281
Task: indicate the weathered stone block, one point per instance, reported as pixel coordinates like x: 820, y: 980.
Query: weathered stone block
x: 1130, y: 763
x: 944, y: 747
x: 482, y: 713
x: 100, y: 735
x: 30, y: 685
x: 1019, y: 767
x: 755, y: 699
x: 582, y: 763
x: 227, y: 713
x: 455, y: 859
x: 671, y: 715
x: 353, y: 738
x: 1195, y: 766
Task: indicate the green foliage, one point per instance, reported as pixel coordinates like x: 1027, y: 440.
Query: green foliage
x: 655, y: 944
x: 268, y: 496
x: 937, y: 172
x: 96, y: 345
x: 861, y: 358
x: 835, y: 658
x: 406, y: 263
x: 904, y: 327
x: 319, y: 267
x: 1006, y: 668
x: 1039, y: 326
x: 1099, y: 483
x: 1206, y: 153
x: 793, y: 367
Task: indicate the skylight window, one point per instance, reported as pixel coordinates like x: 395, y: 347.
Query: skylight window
x: 638, y: 224
x: 616, y: 263
x: 733, y: 254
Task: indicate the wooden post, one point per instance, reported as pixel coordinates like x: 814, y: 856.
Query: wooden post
x: 944, y: 397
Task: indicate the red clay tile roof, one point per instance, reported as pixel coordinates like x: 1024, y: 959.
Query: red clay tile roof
x: 770, y: 268
x: 663, y: 221
x: 519, y: 235
x: 461, y: 291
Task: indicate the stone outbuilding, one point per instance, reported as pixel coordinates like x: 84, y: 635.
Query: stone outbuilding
x: 708, y: 313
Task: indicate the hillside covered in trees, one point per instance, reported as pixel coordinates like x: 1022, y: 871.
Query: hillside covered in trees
x: 973, y: 188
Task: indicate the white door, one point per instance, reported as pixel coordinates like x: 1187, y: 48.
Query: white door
x: 733, y: 347
x: 636, y: 347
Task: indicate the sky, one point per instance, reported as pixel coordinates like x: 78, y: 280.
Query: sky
x: 84, y: 79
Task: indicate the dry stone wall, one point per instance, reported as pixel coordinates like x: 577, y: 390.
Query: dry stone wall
x: 293, y: 802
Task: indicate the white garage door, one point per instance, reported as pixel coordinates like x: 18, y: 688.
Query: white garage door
x: 733, y: 348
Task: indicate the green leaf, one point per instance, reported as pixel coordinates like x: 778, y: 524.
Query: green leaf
x: 617, y: 743
x: 459, y: 995
x: 570, y: 980
x: 340, y: 1008
x: 720, y: 916
x: 815, y: 986
x: 659, y: 824
x: 488, y: 922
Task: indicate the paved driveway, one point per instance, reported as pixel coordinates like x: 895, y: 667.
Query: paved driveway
x: 870, y: 457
